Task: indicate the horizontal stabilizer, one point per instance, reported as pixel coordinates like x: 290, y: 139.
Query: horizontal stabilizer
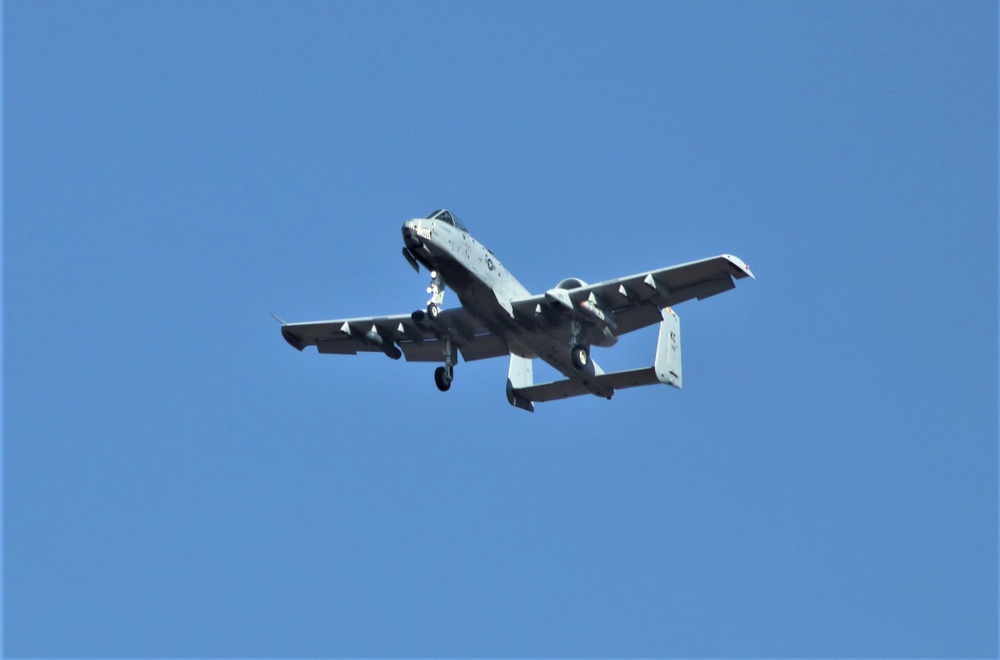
x: 564, y: 389
x: 666, y: 369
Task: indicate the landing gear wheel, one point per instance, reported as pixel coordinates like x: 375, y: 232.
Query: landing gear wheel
x: 580, y: 357
x: 443, y: 378
x: 433, y: 311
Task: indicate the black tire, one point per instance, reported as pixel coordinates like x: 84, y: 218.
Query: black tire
x: 580, y: 357
x: 442, y: 379
x: 433, y: 311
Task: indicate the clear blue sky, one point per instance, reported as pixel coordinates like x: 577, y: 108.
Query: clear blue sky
x: 178, y: 481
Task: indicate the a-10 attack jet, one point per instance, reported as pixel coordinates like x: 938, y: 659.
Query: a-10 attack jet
x: 499, y: 317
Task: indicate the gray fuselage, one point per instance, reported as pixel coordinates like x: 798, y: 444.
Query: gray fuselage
x: 486, y: 288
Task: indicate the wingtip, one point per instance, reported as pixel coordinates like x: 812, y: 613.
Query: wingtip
x: 741, y: 266
x: 293, y: 339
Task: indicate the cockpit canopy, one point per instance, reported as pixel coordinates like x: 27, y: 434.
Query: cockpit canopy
x: 445, y: 216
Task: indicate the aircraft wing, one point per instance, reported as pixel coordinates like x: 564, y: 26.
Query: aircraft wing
x: 635, y: 302
x: 419, y: 342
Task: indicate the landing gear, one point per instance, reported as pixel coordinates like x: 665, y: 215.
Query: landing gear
x: 436, y: 289
x: 578, y: 353
x: 444, y: 375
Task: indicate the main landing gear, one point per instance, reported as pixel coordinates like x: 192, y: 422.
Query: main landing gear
x: 578, y: 353
x: 444, y: 375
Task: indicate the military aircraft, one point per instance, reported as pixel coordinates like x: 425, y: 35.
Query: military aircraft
x: 499, y: 317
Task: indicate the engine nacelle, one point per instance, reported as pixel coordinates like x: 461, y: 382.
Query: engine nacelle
x: 571, y: 283
x: 591, y: 310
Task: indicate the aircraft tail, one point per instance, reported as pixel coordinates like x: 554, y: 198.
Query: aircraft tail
x: 668, y: 350
x: 520, y: 376
x: 666, y: 369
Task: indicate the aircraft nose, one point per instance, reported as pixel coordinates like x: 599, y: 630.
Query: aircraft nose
x: 410, y: 237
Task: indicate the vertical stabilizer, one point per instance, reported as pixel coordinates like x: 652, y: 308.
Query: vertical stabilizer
x: 520, y: 375
x: 668, y: 350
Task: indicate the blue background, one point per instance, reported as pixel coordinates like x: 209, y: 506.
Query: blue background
x: 179, y: 482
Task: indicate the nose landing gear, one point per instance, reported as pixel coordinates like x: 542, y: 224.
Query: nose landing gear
x: 436, y: 289
x: 443, y: 376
